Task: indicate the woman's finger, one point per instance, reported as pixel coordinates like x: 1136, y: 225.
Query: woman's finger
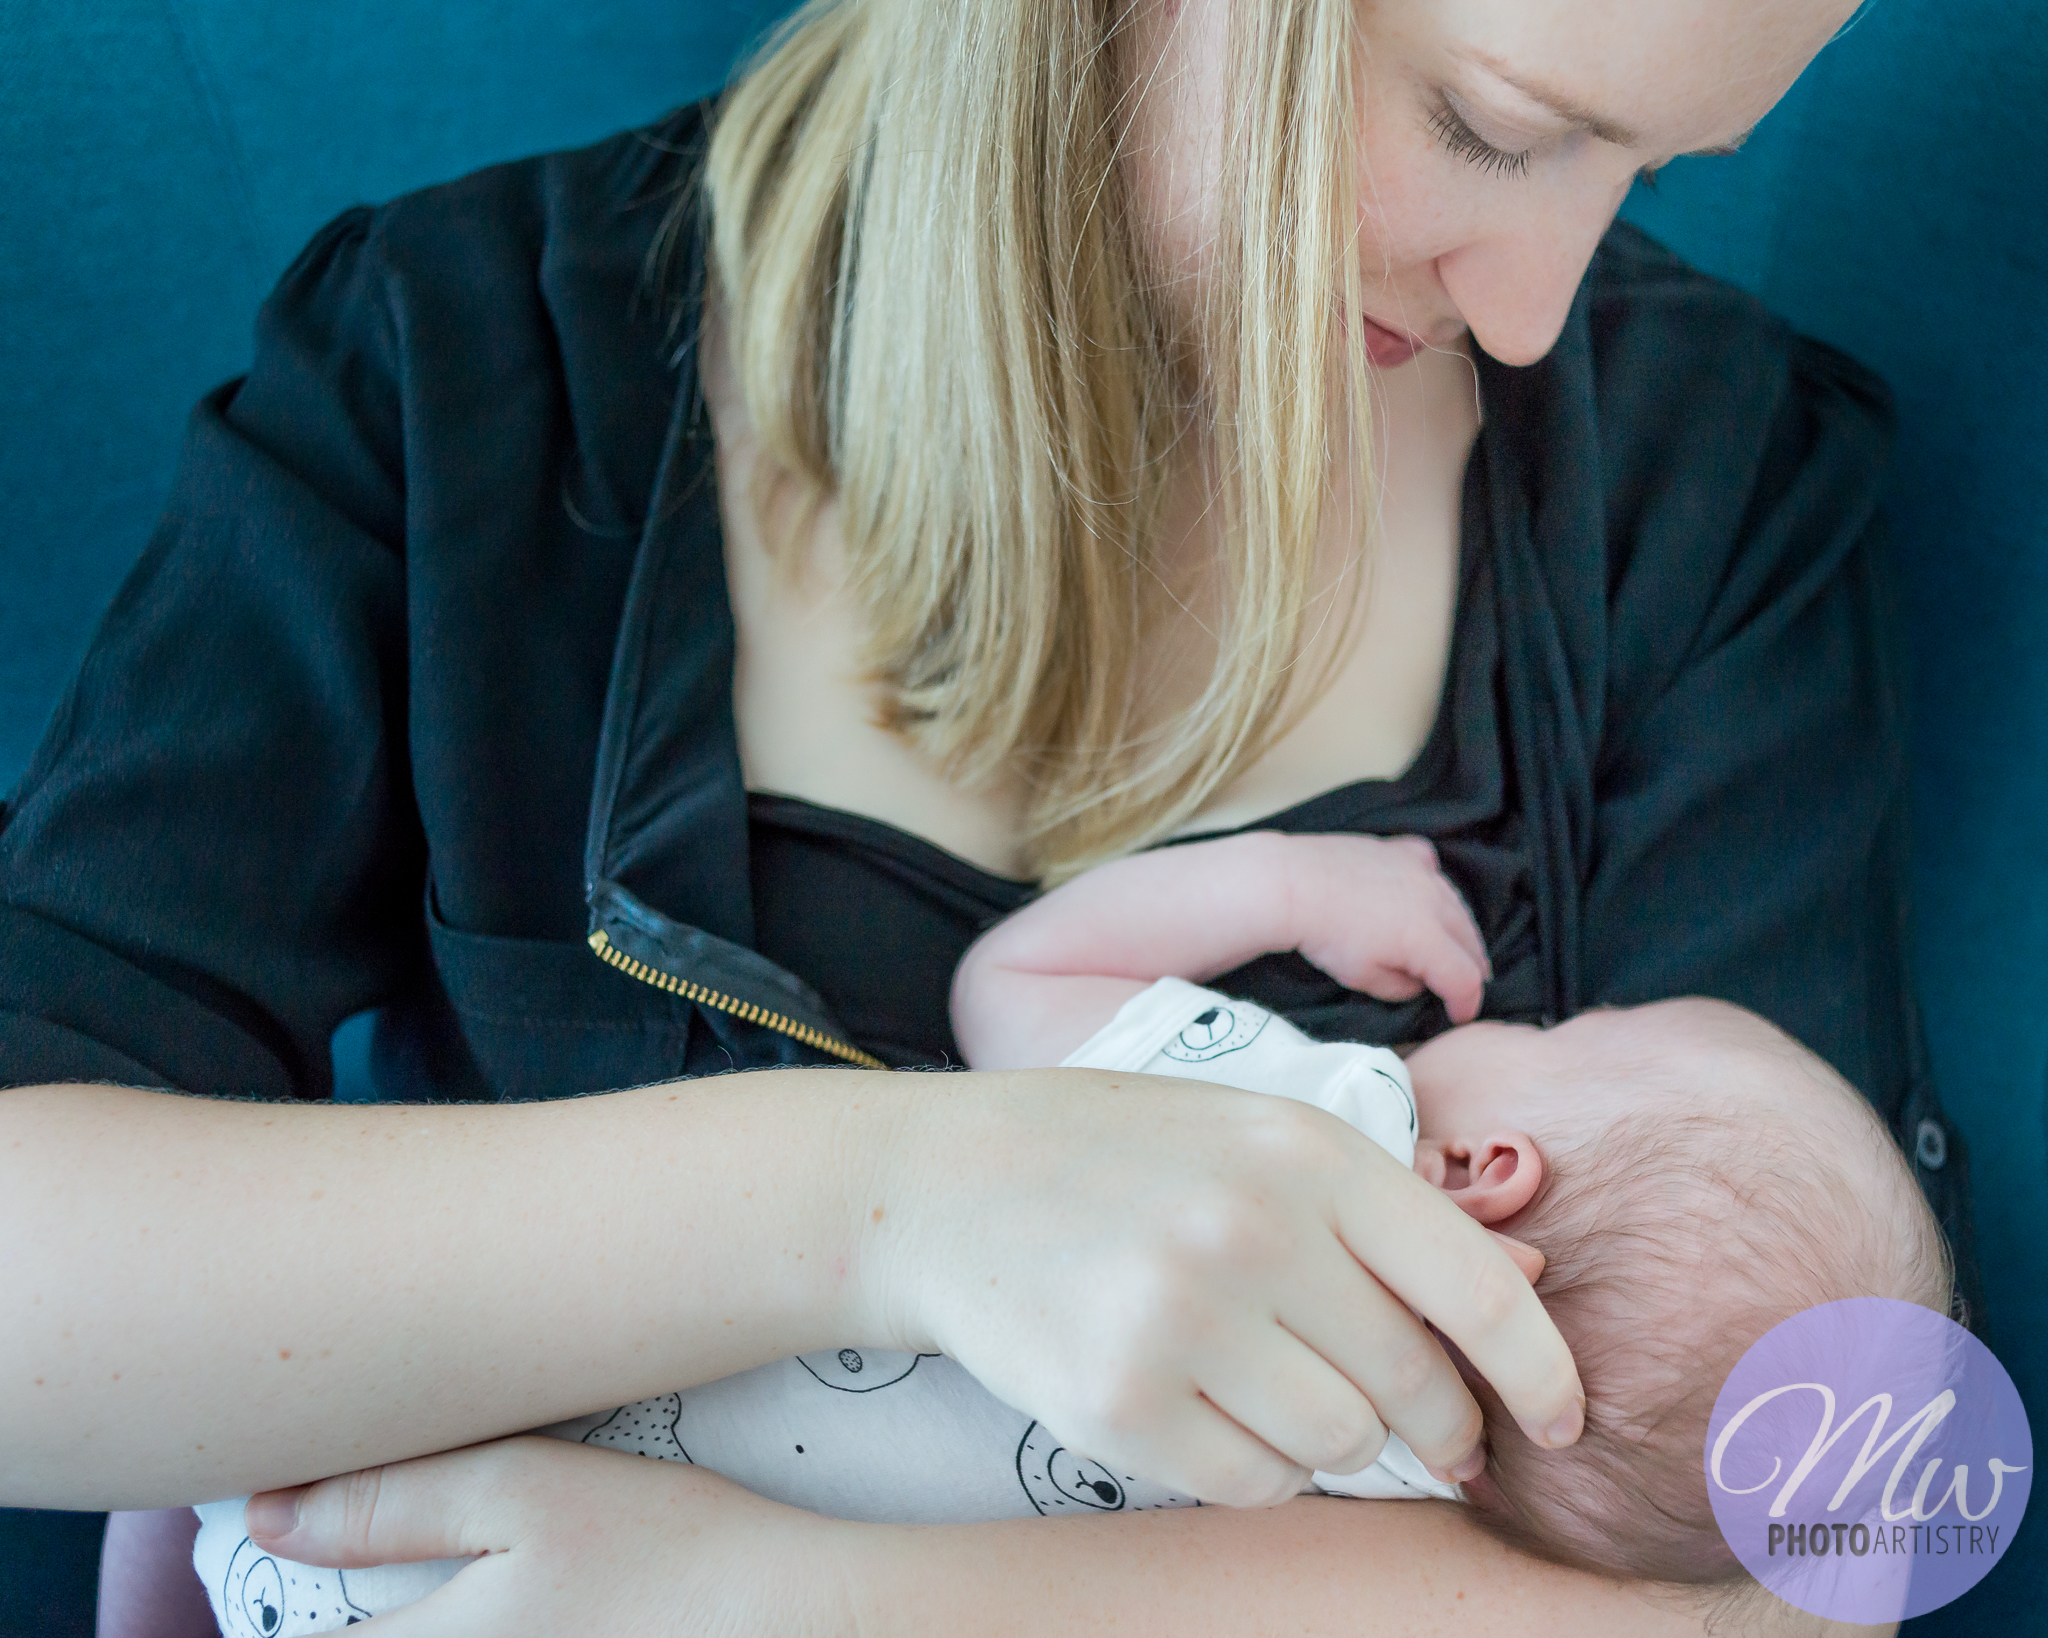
x: 454, y: 1505
x: 1194, y: 1447
x: 1376, y: 1345
x: 574, y: 1540
x: 1523, y: 1255
x: 1442, y: 1264
x: 1287, y: 1394
x: 464, y: 1607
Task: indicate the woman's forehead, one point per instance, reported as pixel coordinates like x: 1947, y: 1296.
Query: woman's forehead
x: 1678, y: 75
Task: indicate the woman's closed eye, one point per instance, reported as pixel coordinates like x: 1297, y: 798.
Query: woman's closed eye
x: 1455, y: 132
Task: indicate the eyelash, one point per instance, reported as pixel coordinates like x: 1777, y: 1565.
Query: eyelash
x: 1449, y: 128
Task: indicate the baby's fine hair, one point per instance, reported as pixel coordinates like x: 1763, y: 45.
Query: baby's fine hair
x: 1675, y: 1237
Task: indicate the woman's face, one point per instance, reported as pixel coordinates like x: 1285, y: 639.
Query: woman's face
x: 1499, y: 138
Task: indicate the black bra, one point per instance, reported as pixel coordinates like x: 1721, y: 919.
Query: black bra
x: 876, y: 919
x: 873, y: 918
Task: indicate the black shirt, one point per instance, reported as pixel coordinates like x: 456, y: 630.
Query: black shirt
x: 420, y: 698
x: 873, y: 918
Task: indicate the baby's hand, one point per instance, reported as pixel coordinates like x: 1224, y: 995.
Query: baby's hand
x: 1379, y: 915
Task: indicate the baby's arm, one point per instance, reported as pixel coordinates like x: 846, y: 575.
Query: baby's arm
x: 1375, y: 914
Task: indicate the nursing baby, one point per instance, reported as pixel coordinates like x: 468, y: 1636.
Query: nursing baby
x: 1686, y: 1175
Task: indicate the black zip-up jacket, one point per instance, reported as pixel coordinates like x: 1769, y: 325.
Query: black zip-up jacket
x: 420, y: 697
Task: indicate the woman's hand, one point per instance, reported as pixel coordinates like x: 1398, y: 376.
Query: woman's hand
x: 1206, y: 1286
x: 578, y: 1541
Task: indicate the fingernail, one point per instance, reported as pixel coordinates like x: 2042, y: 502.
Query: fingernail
x: 1471, y: 1467
x: 1565, y: 1429
x: 273, y: 1514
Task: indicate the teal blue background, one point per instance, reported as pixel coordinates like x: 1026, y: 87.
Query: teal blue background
x: 1895, y: 205
x: 161, y: 160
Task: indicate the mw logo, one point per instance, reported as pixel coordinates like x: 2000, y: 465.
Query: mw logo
x: 1914, y: 1430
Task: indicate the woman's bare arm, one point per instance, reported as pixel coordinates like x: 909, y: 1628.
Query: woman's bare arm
x: 1317, y: 1566
x: 575, y: 1540
x: 202, y: 1298
x: 206, y: 1297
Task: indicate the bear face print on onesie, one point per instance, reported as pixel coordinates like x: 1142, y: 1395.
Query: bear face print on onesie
x: 256, y: 1594
x: 877, y: 1436
x: 653, y: 1427
x: 1181, y: 1030
x: 261, y: 1598
x: 856, y: 1433
x: 1057, y: 1480
x: 858, y: 1370
x: 1213, y: 1032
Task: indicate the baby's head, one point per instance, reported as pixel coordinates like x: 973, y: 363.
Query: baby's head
x: 1692, y: 1176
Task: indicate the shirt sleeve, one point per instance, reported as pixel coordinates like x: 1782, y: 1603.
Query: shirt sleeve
x: 214, y: 857
x: 1752, y: 792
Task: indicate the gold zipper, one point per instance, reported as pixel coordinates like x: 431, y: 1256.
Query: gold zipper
x: 816, y: 1039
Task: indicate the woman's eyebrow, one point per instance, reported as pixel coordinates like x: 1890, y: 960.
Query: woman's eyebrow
x: 1568, y: 109
x: 1720, y: 150
x: 1577, y: 114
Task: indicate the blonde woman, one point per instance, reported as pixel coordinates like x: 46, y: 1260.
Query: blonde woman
x: 648, y: 609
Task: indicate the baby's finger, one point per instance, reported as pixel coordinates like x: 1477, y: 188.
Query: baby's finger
x: 1458, y: 920
x: 1390, y: 983
x: 1420, y: 848
x: 1450, y: 969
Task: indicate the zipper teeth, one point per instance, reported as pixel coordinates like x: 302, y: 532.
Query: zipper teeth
x: 613, y: 956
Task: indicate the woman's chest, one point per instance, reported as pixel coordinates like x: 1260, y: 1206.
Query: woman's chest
x: 1369, y: 679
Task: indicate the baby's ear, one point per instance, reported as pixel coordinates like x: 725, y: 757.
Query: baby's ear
x: 1490, y: 1180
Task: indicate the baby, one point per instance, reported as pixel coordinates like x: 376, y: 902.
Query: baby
x: 1688, y: 1174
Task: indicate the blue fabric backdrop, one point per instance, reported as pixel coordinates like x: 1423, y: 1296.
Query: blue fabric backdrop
x: 1885, y: 207
x: 160, y: 161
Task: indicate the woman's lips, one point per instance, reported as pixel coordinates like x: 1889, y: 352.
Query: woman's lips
x: 1389, y: 349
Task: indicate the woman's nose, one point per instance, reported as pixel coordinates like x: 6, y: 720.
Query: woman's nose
x: 1514, y: 284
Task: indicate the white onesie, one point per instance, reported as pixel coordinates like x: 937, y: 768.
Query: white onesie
x: 891, y: 1437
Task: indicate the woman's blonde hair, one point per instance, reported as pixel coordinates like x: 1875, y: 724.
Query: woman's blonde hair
x: 941, y: 317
